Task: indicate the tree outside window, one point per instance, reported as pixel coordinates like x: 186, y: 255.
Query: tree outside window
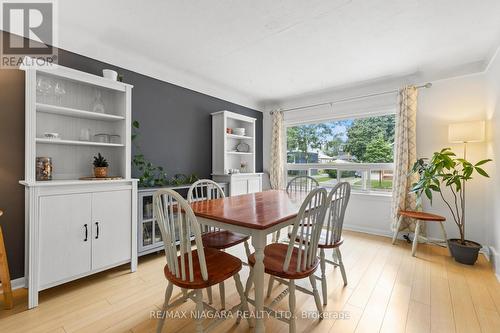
x: 359, y: 140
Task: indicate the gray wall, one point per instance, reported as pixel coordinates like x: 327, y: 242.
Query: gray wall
x: 175, y: 133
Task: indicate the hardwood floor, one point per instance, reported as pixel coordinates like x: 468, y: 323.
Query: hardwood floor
x: 388, y: 291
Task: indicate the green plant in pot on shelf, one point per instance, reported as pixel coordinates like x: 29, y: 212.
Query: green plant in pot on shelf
x: 446, y: 175
x: 100, y: 166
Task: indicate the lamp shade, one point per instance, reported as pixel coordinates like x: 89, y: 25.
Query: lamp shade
x: 466, y: 132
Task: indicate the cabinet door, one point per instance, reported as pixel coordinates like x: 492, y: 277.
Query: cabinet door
x: 65, y: 242
x: 254, y: 185
x: 239, y: 186
x: 111, y: 228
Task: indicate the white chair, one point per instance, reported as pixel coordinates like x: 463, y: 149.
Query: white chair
x: 299, y: 184
x: 296, y: 260
x: 194, y: 268
x: 215, y: 238
x: 331, y: 238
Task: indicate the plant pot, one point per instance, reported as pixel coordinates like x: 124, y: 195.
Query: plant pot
x: 464, y: 253
x: 100, y: 172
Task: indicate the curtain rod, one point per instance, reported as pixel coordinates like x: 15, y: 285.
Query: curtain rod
x: 347, y: 99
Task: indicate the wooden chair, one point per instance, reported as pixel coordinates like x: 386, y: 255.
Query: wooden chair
x: 301, y: 184
x: 298, y: 184
x: 194, y: 269
x: 215, y: 238
x: 331, y: 238
x: 419, y: 217
x: 296, y: 260
x: 4, y: 273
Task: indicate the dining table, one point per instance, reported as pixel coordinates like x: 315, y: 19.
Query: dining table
x: 256, y: 215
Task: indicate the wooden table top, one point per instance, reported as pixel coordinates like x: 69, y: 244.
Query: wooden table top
x: 259, y: 210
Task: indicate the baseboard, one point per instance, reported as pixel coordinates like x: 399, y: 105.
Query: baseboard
x: 16, y: 284
x: 367, y: 230
x: 495, y: 261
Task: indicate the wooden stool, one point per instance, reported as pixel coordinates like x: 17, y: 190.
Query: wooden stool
x: 4, y: 273
x: 420, y: 217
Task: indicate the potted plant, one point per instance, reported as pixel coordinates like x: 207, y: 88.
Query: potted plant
x: 446, y: 172
x: 100, y: 166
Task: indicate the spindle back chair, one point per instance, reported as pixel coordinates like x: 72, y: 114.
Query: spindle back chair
x: 331, y: 237
x: 296, y: 260
x: 298, y: 184
x: 212, y: 237
x: 196, y: 267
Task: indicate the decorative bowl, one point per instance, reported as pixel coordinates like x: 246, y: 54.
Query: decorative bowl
x: 239, y: 131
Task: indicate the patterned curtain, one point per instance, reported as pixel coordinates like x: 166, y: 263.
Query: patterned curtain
x: 404, y: 156
x: 276, y: 172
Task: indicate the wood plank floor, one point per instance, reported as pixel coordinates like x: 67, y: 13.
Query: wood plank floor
x: 388, y: 291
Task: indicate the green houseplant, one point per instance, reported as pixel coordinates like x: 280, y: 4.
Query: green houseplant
x: 100, y: 166
x: 151, y: 175
x: 445, y: 172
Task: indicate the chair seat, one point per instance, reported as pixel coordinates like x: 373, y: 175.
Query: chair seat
x: 222, y: 239
x: 422, y: 216
x: 220, y: 267
x: 322, y: 241
x: 274, y: 259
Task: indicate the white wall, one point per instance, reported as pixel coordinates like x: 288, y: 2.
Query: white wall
x: 493, y: 151
x: 451, y: 100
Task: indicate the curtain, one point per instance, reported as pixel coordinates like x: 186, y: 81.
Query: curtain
x: 276, y: 172
x: 405, y: 156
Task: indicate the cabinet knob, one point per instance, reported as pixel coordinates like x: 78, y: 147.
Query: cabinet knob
x: 97, y: 230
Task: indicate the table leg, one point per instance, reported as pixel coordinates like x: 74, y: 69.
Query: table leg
x: 259, y: 242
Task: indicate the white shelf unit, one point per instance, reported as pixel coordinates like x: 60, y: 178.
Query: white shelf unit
x: 225, y: 156
x: 224, y: 152
x: 71, y: 113
x: 76, y: 227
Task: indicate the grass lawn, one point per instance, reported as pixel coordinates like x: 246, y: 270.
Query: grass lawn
x: 386, y: 184
x: 376, y: 184
x: 321, y: 179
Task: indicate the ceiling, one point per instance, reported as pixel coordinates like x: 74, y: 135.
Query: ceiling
x: 258, y: 50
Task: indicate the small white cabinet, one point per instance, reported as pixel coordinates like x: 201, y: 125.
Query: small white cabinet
x: 83, y: 232
x: 75, y: 230
x: 239, y: 186
x: 241, y: 183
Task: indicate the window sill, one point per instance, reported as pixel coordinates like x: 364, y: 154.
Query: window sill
x: 372, y: 194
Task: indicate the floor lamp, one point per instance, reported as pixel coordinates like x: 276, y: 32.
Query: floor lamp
x: 465, y: 133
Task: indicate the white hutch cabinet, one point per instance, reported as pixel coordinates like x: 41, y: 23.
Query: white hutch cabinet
x: 226, y: 157
x: 77, y: 227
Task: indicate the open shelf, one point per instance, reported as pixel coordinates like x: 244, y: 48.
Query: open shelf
x: 238, y: 153
x: 78, y: 143
x: 234, y: 136
x: 70, y: 112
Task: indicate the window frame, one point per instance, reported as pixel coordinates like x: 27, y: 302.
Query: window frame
x: 365, y: 168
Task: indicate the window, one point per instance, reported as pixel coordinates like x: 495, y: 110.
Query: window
x: 358, y: 150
